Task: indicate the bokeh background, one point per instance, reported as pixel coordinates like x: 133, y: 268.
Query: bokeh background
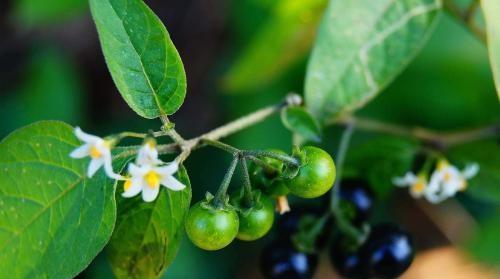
x: 51, y: 67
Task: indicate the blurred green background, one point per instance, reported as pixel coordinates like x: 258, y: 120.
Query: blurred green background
x: 52, y: 68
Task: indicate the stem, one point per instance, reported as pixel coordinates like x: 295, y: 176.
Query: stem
x: 241, y: 123
x: 248, y: 197
x: 171, y: 132
x: 471, y: 10
x: 267, y: 167
x: 343, y: 224
x: 466, y: 17
x: 220, y: 197
x: 123, y: 135
x: 439, y: 139
x: 226, y: 147
x: 270, y: 154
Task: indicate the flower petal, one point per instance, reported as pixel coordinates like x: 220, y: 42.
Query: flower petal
x: 80, y: 152
x: 149, y: 194
x: 84, y: 136
x: 408, y: 179
x: 470, y: 170
x: 147, y: 155
x: 135, y: 188
x: 94, y: 165
x: 168, y: 170
x: 136, y: 171
x: 108, y: 168
x: 433, y: 198
x: 172, y: 183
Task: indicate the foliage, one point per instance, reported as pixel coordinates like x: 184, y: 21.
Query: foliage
x: 381, y: 159
x: 299, y: 121
x: 54, y: 219
x: 33, y: 13
x: 284, y: 39
x: 50, y: 76
x: 148, y: 235
x: 491, y: 9
x: 141, y: 57
x: 361, y: 46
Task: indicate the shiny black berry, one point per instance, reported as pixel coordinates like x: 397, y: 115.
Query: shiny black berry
x: 388, y: 251
x: 280, y: 260
x: 356, y: 200
x: 347, y: 259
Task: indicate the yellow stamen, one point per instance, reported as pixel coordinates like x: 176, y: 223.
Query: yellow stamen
x: 447, y: 176
x: 127, y: 184
x: 151, y: 144
x: 152, y: 179
x: 419, y: 187
x: 95, y: 153
x: 463, y: 185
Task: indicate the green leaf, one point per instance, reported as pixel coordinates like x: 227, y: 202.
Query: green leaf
x: 283, y: 40
x: 299, y: 121
x: 491, y: 10
x: 381, y: 159
x: 141, y: 57
x: 485, y: 185
x: 53, y: 219
x: 148, y: 235
x: 35, y: 12
x: 360, y: 48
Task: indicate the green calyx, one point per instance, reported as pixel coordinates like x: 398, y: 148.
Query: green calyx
x: 213, y: 203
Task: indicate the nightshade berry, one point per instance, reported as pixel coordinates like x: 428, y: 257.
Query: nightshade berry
x: 280, y: 260
x: 388, y: 251
x: 347, y: 259
x: 356, y: 200
x: 315, y: 175
x: 211, y: 228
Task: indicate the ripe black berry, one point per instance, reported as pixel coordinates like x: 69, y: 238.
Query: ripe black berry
x: 388, y: 251
x: 280, y: 260
x: 347, y: 259
x: 356, y: 200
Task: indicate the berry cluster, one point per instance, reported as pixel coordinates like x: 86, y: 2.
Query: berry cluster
x: 384, y: 251
x: 215, y: 222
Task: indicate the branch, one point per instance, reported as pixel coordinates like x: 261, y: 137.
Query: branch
x: 466, y: 17
x: 441, y: 140
x: 186, y: 146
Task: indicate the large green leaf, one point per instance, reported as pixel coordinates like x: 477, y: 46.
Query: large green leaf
x: 35, y: 12
x: 282, y: 41
x: 491, y: 10
x: 361, y: 46
x: 148, y: 235
x: 141, y: 57
x: 486, y: 184
x: 379, y: 160
x: 53, y: 219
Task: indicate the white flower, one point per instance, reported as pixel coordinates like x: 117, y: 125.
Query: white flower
x: 416, y: 183
x: 447, y: 180
x: 148, y: 178
x: 98, y: 149
x: 148, y: 154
